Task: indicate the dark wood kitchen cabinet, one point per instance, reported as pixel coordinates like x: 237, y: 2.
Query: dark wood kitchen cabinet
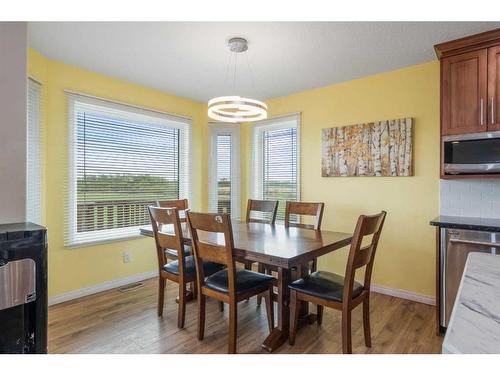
x: 493, y: 88
x: 470, y: 83
x: 463, y: 85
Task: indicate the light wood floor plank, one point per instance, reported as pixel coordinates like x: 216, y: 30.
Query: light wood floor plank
x: 116, y: 322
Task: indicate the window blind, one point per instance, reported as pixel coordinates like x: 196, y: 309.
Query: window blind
x: 122, y: 159
x: 275, y: 162
x: 224, y: 174
x: 224, y: 191
x: 34, y: 160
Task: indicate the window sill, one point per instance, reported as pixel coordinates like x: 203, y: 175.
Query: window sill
x: 78, y: 245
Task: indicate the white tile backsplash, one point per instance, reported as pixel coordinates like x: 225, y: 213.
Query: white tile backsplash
x: 473, y: 198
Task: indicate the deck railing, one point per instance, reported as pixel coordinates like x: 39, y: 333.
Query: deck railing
x: 100, y: 215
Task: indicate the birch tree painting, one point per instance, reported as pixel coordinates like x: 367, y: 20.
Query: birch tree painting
x: 382, y: 148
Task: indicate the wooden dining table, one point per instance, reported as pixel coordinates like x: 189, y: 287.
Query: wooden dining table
x: 286, y: 250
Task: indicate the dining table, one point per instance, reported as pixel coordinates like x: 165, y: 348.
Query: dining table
x: 285, y: 250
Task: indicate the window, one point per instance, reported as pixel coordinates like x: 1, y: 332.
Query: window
x: 122, y: 159
x: 275, y: 162
x: 34, y: 154
x: 224, y: 173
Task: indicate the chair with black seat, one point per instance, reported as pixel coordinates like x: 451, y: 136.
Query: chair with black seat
x: 182, y: 206
x: 266, y: 215
x: 267, y: 211
x: 307, y: 209
x: 168, y: 235
x: 342, y: 293
x: 230, y: 285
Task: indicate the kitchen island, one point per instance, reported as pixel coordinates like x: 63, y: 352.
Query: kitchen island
x: 475, y: 321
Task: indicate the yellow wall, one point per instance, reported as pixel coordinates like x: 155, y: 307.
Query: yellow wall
x: 72, y: 269
x: 405, y: 257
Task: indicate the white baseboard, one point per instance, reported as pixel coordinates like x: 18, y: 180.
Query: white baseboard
x: 428, y: 300
x: 112, y: 284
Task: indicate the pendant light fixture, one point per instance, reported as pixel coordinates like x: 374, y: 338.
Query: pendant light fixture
x: 234, y: 108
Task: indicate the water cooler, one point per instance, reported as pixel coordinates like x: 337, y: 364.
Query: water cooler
x: 23, y: 288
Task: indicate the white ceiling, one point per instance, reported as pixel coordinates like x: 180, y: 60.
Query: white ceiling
x: 191, y: 59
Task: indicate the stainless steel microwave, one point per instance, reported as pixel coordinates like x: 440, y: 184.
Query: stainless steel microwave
x: 475, y: 153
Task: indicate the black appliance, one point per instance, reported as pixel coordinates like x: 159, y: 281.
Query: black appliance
x: 475, y: 153
x: 23, y: 288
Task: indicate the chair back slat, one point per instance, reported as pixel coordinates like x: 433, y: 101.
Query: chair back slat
x: 168, y: 234
x: 304, y: 208
x: 212, y: 253
x: 371, y: 224
x: 202, y: 225
x: 214, y: 223
x: 269, y: 207
x: 180, y: 204
x: 363, y: 255
x: 167, y: 241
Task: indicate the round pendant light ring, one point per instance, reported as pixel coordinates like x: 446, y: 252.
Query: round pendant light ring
x: 236, y: 109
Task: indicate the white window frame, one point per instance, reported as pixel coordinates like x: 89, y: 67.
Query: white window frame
x: 257, y: 164
x: 73, y: 239
x: 233, y: 130
x: 34, y: 154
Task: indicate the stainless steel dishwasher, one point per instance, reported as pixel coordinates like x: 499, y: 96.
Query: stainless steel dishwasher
x: 456, y: 244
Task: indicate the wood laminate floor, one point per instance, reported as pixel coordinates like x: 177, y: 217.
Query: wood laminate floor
x: 117, y: 322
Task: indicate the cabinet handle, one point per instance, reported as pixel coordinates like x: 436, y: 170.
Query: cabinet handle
x: 492, y: 111
x: 481, y: 108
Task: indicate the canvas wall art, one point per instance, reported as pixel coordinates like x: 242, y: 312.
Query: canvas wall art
x: 382, y: 148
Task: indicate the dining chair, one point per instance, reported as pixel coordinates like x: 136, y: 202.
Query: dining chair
x: 182, y: 270
x: 307, y: 209
x: 264, y: 207
x: 230, y: 285
x: 182, y: 205
x: 342, y: 293
x: 267, y: 210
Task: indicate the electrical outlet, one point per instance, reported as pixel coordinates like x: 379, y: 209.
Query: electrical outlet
x: 127, y: 257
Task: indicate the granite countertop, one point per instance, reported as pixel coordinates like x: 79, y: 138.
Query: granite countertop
x: 471, y: 223
x: 475, y: 321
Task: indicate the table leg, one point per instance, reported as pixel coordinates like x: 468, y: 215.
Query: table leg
x: 280, y: 333
x: 305, y: 317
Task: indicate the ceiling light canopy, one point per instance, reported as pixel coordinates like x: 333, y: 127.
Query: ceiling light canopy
x: 234, y: 108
